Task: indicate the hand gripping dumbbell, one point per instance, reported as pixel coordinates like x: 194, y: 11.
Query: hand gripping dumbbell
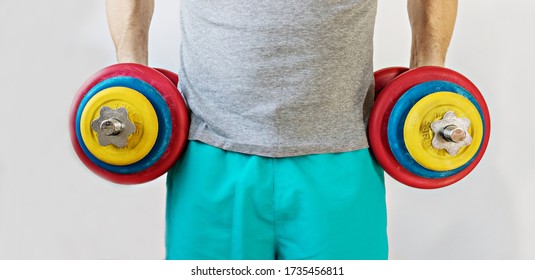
x: 129, y: 123
x: 429, y: 126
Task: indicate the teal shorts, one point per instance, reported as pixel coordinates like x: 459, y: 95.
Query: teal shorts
x: 227, y: 205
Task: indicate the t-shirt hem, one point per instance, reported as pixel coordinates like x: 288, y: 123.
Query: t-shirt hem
x: 278, y: 151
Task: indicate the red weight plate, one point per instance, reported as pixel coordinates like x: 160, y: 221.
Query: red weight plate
x: 380, y: 114
x: 170, y: 75
x: 385, y: 76
x: 179, y: 117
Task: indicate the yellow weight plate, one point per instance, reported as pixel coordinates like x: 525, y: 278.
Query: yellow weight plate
x: 140, y: 112
x: 418, y: 135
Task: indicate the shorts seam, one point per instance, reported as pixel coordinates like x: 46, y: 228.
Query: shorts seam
x: 274, y: 201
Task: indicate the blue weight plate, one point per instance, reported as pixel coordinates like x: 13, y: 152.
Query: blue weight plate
x: 164, y: 123
x: 397, y: 118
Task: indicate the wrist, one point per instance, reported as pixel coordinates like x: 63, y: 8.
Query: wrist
x: 129, y: 57
x: 423, y: 58
x: 418, y: 62
x: 133, y: 48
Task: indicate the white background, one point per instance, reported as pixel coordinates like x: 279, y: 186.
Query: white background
x: 52, y: 207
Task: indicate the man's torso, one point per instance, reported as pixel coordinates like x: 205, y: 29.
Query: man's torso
x: 278, y: 78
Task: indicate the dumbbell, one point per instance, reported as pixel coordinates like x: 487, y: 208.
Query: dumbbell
x: 129, y: 123
x: 429, y: 126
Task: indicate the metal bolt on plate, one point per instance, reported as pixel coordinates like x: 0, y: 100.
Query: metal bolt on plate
x: 113, y: 127
x: 451, y: 133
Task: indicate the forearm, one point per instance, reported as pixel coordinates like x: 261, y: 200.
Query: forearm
x: 432, y: 23
x: 129, y: 22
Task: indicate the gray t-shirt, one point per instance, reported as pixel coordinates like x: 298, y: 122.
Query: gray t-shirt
x: 278, y: 78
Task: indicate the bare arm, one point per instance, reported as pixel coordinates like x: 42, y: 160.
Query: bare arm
x: 432, y: 23
x: 129, y: 22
